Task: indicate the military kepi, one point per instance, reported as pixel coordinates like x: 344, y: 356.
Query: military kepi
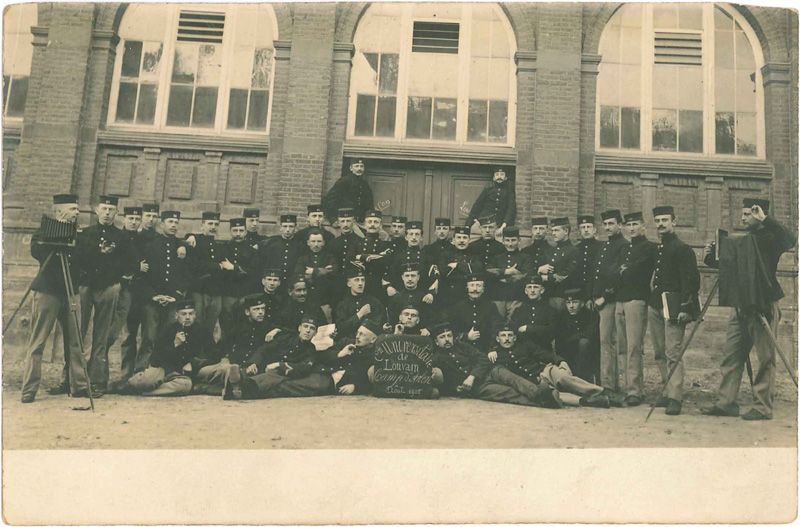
x: 237, y: 222
x: 611, y: 214
x: 209, y: 215
x: 150, y: 207
x: 560, y: 222
x: 374, y: 214
x: 633, y: 216
x: 511, y: 232
x: 314, y: 208
x: 572, y: 294
x: 288, y: 218
x: 371, y: 325
x: 167, y: 214
x: 251, y: 213
x: 663, y: 210
x: 441, y: 222
x: 346, y: 212
x: 441, y: 327
x: 541, y: 220
x: 413, y: 225
x: 749, y: 203
x: 585, y: 219
x: 62, y: 199
x: 184, y: 304
x: 109, y: 200
x: 252, y: 301
x: 132, y: 211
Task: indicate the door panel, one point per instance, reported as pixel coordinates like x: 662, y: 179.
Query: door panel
x: 389, y: 191
x: 464, y: 190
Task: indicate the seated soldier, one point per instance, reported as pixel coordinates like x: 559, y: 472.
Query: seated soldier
x: 508, y: 271
x: 271, y: 283
x: 409, y: 322
x: 180, y: 351
x: 476, y: 319
x: 350, y: 359
x: 288, y: 365
x: 535, y: 320
x: 454, y: 268
x: 357, y: 305
x: 578, y: 340
x: 318, y: 266
x: 240, y: 347
x: 540, y: 366
x: 460, y: 370
x: 410, y: 293
x: 294, y: 308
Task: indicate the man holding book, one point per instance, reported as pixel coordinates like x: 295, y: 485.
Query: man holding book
x: 673, y: 303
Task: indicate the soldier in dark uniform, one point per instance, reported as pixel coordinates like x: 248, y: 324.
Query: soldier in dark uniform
x: 374, y: 255
x: 412, y: 253
x: 51, y: 306
x: 476, y: 319
x: 238, y: 347
x: 632, y: 273
x: 535, y: 319
x: 496, y: 201
x: 486, y: 247
x: 295, y: 307
x: 150, y: 216
x: 560, y: 266
x: 273, y: 300
x: 205, y: 258
x: 538, y: 250
x: 745, y: 329
x: 315, y: 217
x: 357, y: 306
x: 251, y: 217
x: 110, y: 258
x: 343, y: 249
x: 460, y: 370
x: 288, y: 365
x: 587, y: 250
x: 675, y: 272
x: 577, y: 339
x: 183, y: 348
x: 409, y: 322
x: 543, y: 368
x: 350, y: 361
x: 507, y: 272
x: 132, y: 220
x: 238, y: 274
x: 350, y: 191
x: 166, y: 281
x: 437, y: 250
x: 283, y: 250
x: 319, y: 267
x: 456, y: 265
x: 397, y: 234
x: 605, y: 304
x: 411, y: 293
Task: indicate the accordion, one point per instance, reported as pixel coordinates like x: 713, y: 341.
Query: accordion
x: 56, y: 232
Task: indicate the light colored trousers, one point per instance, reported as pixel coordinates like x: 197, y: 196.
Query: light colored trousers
x: 745, y: 330
x: 631, y: 327
x: 103, y: 301
x: 667, y: 339
x: 47, y: 311
x: 563, y: 380
x: 611, y: 352
x: 154, y: 382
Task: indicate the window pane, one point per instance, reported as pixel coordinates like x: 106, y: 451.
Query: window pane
x: 690, y: 16
x: 722, y: 20
x: 257, y: 117
x: 418, y: 117
x: 631, y: 128
x: 390, y: 63
x: 665, y: 87
x: 240, y: 67
x: 631, y: 45
x: 630, y: 85
x: 262, y: 68
x: 387, y: 112
x: 126, y: 102
x: 746, y: 134
x: 152, y: 59
x: 205, y: 106
x: 6, y: 83
x: 17, y: 97
x: 210, y: 67
x: 146, y: 111
x: 481, y: 38
x: 725, y: 133
x: 180, y: 105
x: 444, y: 119
x: 665, y: 16
x: 365, y: 114
x: 608, y: 85
x: 745, y: 91
x: 185, y: 65
x: 421, y: 79
x: 611, y: 48
x: 445, y: 76
x: 131, y: 58
x: 476, y: 121
x: 723, y: 49
x: 237, y: 108
x: 479, y: 78
x: 498, y: 79
x: 499, y: 40
x: 690, y: 88
x: 665, y: 126
x: 365, y: 73
x: 691, y: 138
x: 724, y: 88
x: 744, y: 53
x: 609, y: 127
x: 498, y: 121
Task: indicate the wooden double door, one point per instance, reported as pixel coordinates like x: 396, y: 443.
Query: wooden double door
x: 425, y: 191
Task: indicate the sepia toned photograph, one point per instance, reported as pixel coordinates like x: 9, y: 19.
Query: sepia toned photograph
x: 559, y: 232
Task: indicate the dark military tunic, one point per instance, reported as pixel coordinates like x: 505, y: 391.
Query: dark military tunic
x: 253, y: 238
x: 525, y: 358
x: 541, y: 320
x: 484, y: 250
x: 245, y: 277
x: 563, y: 258
x: 438, y: 250
x: 405, y: 297
x: 198, y: 350
x: 204, y: 259
x: 458, y: 363
x: 344, y: 249
x: 276, y: 252
x: 573, y: 328
x: 412, y: 255
x: 168, y: 274
x: 241, y: 346
x: 345, y: 316
x: 291, y: 313
x: 146, y: 236
x: 453, y: 281
x: 272, y: 305
x: 354, y: 366
x: 324, y: 271
x: 496, y: 200
x: 303, y: 233
x: 500, y: 286
x: 103, y: 270
x: 676, y: 272
x: 604, y: 283
x: 480, y: 314
x: 397, y: 244
x: 633, y: 281
x: 538, y: 252
x: 296, y: 356
x: 376, y: 270
x: 586, y: 257
x: 349, y: 191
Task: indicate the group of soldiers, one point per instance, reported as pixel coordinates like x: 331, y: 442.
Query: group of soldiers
x: 508, y: 324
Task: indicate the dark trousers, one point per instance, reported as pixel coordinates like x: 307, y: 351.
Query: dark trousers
x: 229, y: 315
x: 578, y: 351
x: 154, y: 318
x: 120, y: 314
x: 98, y: 305
x: 270, y: 385
x: 208, y: 309
x: 128, y: 347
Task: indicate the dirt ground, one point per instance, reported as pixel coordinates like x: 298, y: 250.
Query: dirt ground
x: 204, y: 422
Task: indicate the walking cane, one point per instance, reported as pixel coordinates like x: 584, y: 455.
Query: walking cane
x: 25, y: 296
x: 686, y: 345
x: 777, y: 348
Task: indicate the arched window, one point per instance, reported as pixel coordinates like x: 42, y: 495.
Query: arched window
x: 203, y: 68
x: 683, y: 78
x: 17, y: 57
x: 433, y: 72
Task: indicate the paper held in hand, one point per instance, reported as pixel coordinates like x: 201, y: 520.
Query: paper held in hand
x: 324, y: 337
